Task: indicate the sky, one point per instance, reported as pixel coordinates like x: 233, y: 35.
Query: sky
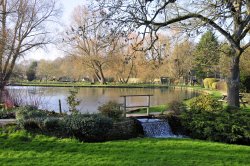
x: 51, y: 52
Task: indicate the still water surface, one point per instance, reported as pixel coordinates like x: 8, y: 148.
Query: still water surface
x: 92, y: 98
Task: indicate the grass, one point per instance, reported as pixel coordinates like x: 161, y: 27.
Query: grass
x: 22, y: 148
x: 158, y: 108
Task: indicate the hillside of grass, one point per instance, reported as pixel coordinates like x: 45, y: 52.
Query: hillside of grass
x: 22, y: 148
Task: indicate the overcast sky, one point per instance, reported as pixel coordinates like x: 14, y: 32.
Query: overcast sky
x: 52, y: 53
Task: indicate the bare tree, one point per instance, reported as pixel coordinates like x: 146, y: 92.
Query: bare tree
x: 23, y: 27
x: 93, y: 43
x: 122, y: 65
x: 181, y: 60
x: 231, y: 18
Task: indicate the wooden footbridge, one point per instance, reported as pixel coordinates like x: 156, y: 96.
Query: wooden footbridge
x: 127, y: 108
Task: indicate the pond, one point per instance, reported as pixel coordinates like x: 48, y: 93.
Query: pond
x: 91, y: 98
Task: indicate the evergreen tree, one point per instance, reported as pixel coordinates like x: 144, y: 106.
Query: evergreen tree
x: 207, y: 55
x: 31, y: 72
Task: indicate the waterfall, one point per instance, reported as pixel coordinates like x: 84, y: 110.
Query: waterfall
x: 156, y: 128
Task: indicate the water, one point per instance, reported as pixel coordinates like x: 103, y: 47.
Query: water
x: 156, y: 128
x: 91, y: 98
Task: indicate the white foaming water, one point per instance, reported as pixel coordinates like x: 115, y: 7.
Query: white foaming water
x: 157, y: 128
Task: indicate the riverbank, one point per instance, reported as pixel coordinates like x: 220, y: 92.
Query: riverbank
x: 115, y: 85
x: 87, y: 85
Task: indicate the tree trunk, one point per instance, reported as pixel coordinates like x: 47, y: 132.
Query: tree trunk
x: 2, y: 91
x: 101, y: 76
x: 233, y: 83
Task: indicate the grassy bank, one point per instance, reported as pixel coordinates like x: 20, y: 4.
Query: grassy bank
x: 22, y: 148
x: 82, y: 84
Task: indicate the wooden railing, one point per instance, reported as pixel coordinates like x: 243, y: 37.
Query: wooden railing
x: 125, y: 106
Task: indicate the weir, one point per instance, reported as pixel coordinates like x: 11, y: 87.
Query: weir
x: 156, y: 128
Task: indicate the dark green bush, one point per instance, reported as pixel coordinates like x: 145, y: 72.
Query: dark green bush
x: 111, y: 110
x: 173, y: 116
x: 176, y: 125
x: 53, y: 124
x: 32, y: 124
x: 206, y: 121
x: 85, y: 127
x: 245, y: 84
x: 88, y: 127
x: 7, y: 114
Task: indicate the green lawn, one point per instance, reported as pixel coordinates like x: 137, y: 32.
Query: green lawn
x: 22, y: 148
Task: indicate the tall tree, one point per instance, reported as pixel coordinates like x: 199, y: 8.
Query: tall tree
x: 93, y: 43
x: 207, y: 55
x: 231, y: 18
x: 23, y: 26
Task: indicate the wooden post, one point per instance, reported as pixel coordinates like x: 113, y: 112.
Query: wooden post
x: 60, y: 107
x: 148, y: 104
x: 124, y: 111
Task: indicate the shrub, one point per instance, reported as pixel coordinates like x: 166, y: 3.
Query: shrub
x: 111, y: 110
x: 208, y: 82
x: 30, y: 118
x: 72, y: 101
x: 29, y: 112
x: 214, y: 85
x: 84, y: 127
x: 245, y: 84
x: 32, y: 124
x: 88, y: 127
x: 221, y: 85
x: 53, y: 124
x: 211, y: 122
x: 7, y: 114
x: 176, y: 107
x: 173, y: 117
x: 205, y: 103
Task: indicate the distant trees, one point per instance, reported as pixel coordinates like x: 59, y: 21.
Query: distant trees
x: 181, y: 60
x: 46, y: 70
